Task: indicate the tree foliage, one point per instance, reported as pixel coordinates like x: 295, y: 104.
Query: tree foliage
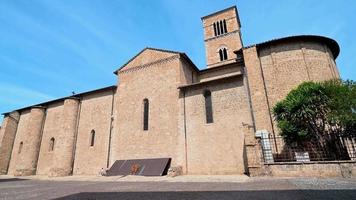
x: 318, y: 112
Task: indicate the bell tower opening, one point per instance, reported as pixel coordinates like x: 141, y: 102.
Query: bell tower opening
x: 222, y: 36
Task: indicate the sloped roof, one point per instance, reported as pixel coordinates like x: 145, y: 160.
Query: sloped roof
x: 332, y: 44
x: 160, y: 50
x: 112, y: 87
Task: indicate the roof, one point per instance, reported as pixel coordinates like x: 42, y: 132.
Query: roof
x: 112, y: 87
x: 223, y: 10
x: 332, y: 44
x: 227, y: 78
x: 162, y: 50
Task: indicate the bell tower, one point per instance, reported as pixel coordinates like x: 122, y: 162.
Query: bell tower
x: 222, y: 36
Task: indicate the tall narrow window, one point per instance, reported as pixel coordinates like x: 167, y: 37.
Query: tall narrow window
x: 214, y: 28
x: 225, y: 29
x: 225, y: 53
x: 92, y: 137
x: 208, y: 107
x: 51, y: 144
x: 221, y: 27
x: 218, y: 27
x: 145, y: 114
x: 221, y: 55
x: 20, y: 147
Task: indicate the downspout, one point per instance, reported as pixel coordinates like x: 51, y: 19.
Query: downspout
x: 110, y: 131
x: 76, y: 135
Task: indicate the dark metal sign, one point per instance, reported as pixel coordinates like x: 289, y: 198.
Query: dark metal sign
x: 142, y: 167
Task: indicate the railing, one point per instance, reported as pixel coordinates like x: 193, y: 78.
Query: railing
x: 276, y: 150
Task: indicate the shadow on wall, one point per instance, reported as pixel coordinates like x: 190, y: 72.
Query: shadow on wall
x: 213, y: 195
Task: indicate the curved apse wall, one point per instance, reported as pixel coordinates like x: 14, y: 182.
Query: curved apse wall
x: 287, y: 63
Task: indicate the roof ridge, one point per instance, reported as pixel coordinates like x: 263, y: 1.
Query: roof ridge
x: 151, y: 48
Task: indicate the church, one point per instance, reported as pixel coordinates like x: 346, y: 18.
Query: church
x: 163, y: 106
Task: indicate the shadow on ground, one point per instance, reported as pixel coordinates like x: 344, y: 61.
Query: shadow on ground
x: 12, y: 179
x: 219, y: 195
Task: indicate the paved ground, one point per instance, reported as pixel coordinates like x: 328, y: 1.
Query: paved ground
x: 185, y: 187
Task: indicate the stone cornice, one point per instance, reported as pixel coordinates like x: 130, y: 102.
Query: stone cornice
x: 223, y: 35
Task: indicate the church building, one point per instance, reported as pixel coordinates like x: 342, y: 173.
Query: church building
x: 164, y: 106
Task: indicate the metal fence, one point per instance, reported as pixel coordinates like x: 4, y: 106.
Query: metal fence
x: 276, y: 150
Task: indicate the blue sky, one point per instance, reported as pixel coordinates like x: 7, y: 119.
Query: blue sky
x: 49, y: 48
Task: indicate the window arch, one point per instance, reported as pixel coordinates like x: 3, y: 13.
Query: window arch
x: 51, y: 144
x: 20, y: 147
x: 92, y: 137
x: 225, y: 29
x: 215, y: 33
x: 223, y: 54
x: 220, y: 27
x: 208, y: 107
x: 145, y: 114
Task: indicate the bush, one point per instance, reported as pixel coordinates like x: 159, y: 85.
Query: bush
x: 318, y: 113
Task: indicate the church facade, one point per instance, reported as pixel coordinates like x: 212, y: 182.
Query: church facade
x: 163, y: 106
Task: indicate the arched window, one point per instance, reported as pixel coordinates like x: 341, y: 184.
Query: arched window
x: 20, y: 147
x: 145, y: 114
x: 208, y: 107
x: 225, y: 29
x: 92, y: 137
x: 221, y: 55
x: 51, y: 144
x: 214, y: 28
x: 225, y: 54
x: 221, y: 27
x: 218, y: 27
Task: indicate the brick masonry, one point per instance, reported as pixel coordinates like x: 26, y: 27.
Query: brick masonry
x: 242, y: 93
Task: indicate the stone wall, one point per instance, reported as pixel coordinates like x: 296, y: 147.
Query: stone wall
x: 326, y: 169
x: 51, y: 129
x: 158, y: 83
x: 20, y: 137
x: 27, y: 163
x: 95, y: 114
x: 64, y: 156
x: 286, y: 65
x: 219, y: 72
x: 7, y: 139
x: 218, y: 147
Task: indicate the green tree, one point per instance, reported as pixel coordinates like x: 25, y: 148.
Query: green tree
x: 318, y: 113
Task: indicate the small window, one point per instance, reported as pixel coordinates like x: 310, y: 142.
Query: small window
x: 225, y: 29
x: 145, y: 114
x: 220, y: 27
x: 208, y: 107
x: 223, y: 54
x: 51, y: 144
x: 20, y: 147
x: 215, y: 33
x: 92, y: 138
